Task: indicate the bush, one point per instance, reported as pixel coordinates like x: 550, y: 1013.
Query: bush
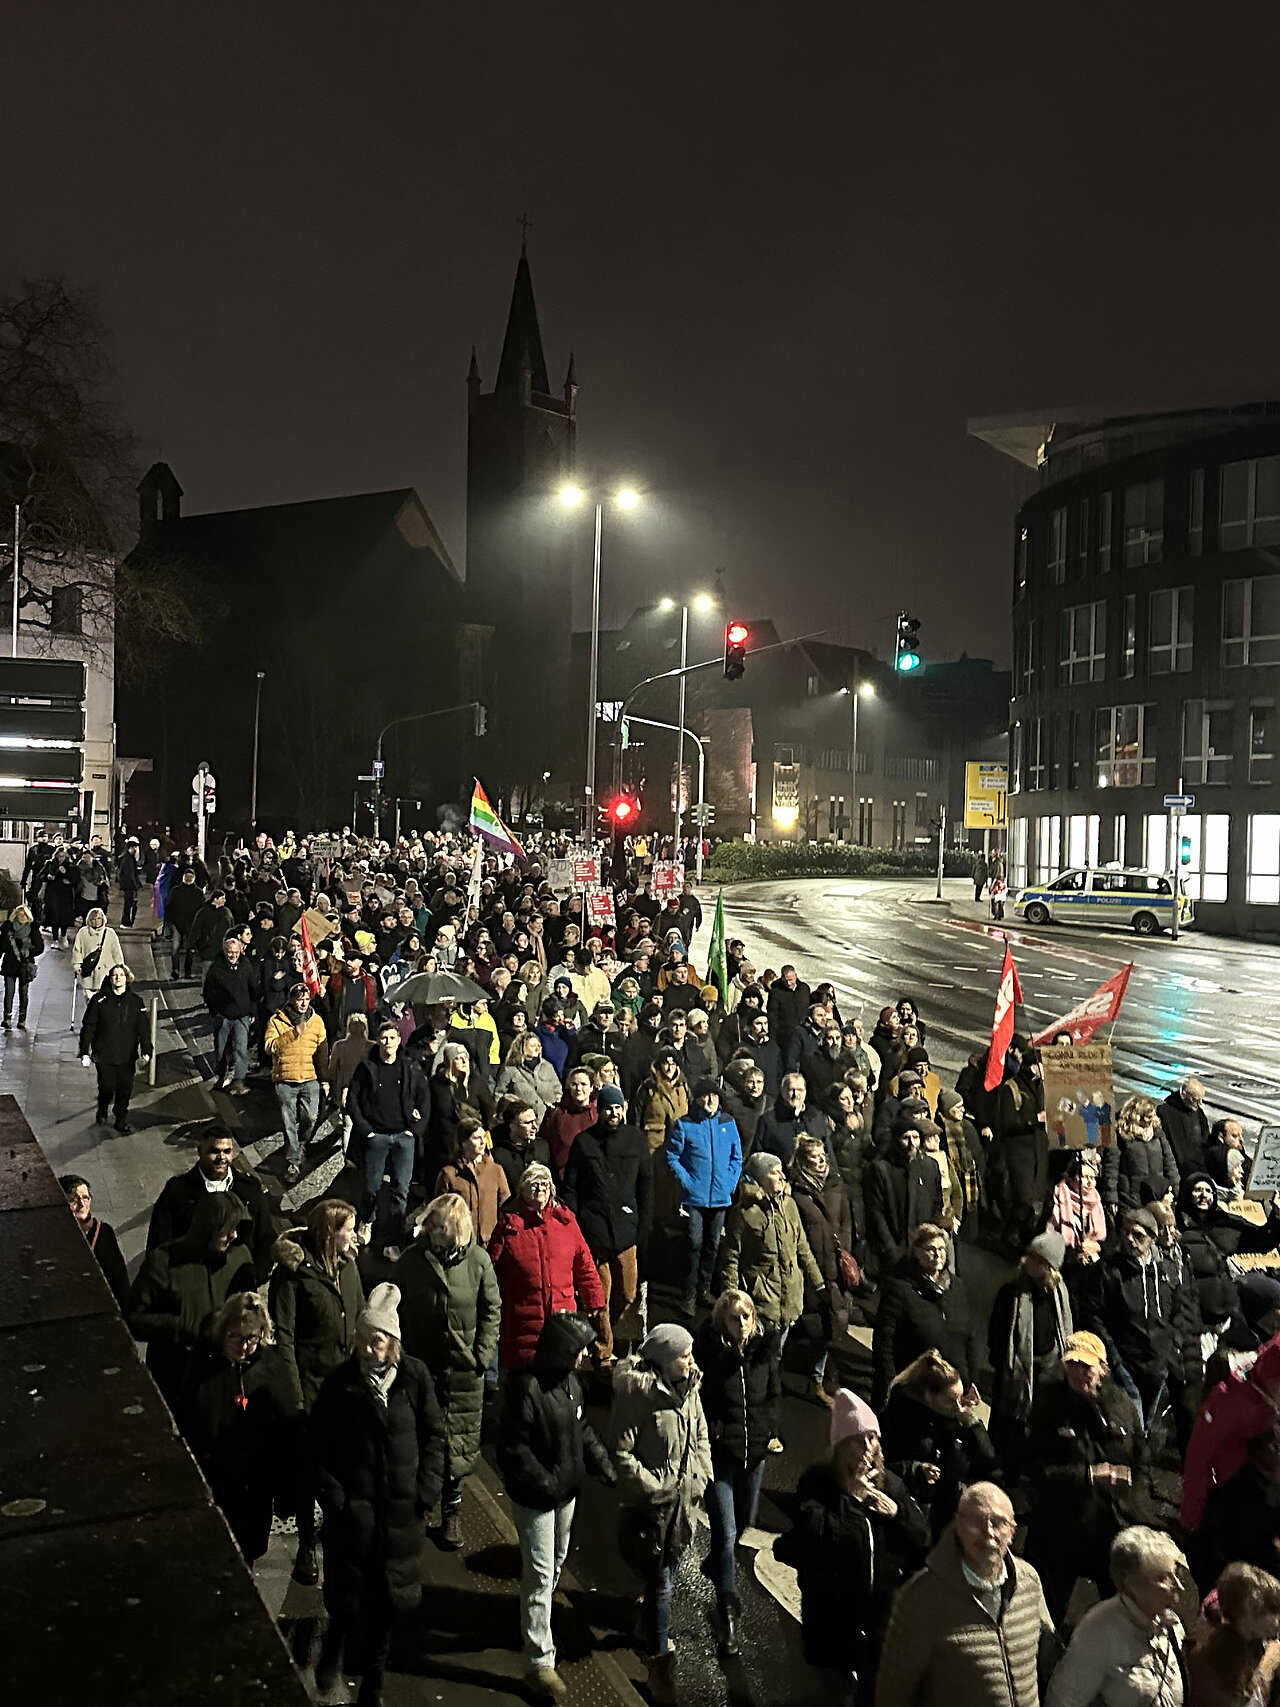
x: 733, y: 861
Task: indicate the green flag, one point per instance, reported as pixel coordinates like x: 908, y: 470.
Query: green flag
x: 717, y: 965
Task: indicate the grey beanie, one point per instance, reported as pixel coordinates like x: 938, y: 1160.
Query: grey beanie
x: 1050, y: 1247
x: 665, y: 1343
x: 761, y: 1163
x: 381, y: 1314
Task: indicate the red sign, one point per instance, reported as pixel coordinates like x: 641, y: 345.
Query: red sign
x: 600, y: 907
x: 586, y: 872
x: 1089, y: 1016
x: 667, y: 878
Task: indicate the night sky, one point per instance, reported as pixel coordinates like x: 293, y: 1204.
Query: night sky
x: 794, y: 248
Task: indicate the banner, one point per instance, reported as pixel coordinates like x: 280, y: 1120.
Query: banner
x: 600, y: 906
x: 717, y: 962
x: 1089, y: 1016
x: 667, y: 878
x: 586, y: 872
x: 310, y: 970
x: 1007, y: 997
x: 1079, y: 1096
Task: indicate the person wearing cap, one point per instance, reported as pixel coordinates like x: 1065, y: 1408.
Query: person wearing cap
x: 732, y: 1035
x: 927, y: 1083
x: 379, y: 1441
x: 703, y: 1153
x: 925, y: 1306
x: 1029, y: 1326
x: 599, y: 1036
x: 1153, y: 1347
x: 663, y: 1454
x: 1086, y: 1452
x: 129, y: 880
x: 545, y: 1448
x: 608, y: 1184
x: 1018, y: 1164
x: 542, y: 1263
x: 966, y: 1631
x: 902, y: 1189
x: 856, y: 1536
x: 966, y: 1163
x: 902, y: 1092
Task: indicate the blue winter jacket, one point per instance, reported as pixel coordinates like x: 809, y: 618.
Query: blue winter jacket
x: 705, y: 1155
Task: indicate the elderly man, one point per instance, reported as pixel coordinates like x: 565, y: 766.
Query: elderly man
x: 230, y: 997
x: 1184, y: 1124
x: 1126, y: 1651
x: 965, y: 1631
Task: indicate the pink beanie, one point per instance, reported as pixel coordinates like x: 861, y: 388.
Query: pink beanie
x: 851, y: 1415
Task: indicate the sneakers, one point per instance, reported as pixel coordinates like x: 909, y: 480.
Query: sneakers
x: 224, y: 1081
x: 364, y: 1232
x: 8, y: 1025
x: 123, y: 1128
x: 451, y: 1532
x: 238, y: 1089
x: 306, y: 1567
x: 546, y: 1684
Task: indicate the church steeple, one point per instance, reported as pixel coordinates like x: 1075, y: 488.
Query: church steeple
x: 522, y: 345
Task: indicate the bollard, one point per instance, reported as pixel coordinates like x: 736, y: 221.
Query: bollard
x: 151, y: 1065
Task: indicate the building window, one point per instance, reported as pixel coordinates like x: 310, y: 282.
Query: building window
x: 1082, y: 840
x: 1018, y: 854
x: 1209, y: 836
x: 1119, y: 825
x: 1048, y: 847
x: 1037, y: 752
x: 1024, y: 658
x: 1104, y: 534
x: 1155, y: 841
x: 1129, y: 634
x: 1056, y: 555
x: 1195, y: 513
x: 899, y: 824
x: 1263, y: 882
x: 1083, y: 652
x: 1251, y: 621
x: 1143, y: 523
x: 1249, y: 503
x: 1262, y: 738
x: 811, y: 686
x: 1082, y: 540
x: 1124, y: 741
x: 1206, y: 741
x: 1169, y: 630
x: 866, y: 822
x: 1016, y: 761
x: 1021, y: 563
x: 922, y: 811
x: 66, y: 610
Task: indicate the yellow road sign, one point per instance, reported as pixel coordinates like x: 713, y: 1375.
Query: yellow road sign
x: 986, y: 797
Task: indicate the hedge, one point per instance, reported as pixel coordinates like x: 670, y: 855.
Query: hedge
x: 733, y: 861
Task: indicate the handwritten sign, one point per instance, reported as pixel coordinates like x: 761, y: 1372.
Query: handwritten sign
x: 1079, y: 1096
x: 560, y: 873
x: 1264, y: 1174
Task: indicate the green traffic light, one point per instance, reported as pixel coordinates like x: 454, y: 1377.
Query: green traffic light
x: 908, y: 661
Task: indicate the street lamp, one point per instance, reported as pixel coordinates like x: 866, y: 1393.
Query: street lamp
x: 627, y: 498
x: 861, y: 690
x: 702, y: 603
x: 257, y: 707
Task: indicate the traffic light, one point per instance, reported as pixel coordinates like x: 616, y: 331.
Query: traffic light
x: 736, y: 635
x: 906, y: 652
x: 1184, y: 850
x: 623, y: 812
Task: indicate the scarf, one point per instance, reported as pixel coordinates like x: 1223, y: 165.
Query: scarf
x: 1020, y: 1359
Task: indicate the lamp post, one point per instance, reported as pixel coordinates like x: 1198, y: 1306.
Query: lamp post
x: 701, y: 602
x: 859, y: 691
x: 253, y: 793
x: 626, y: 499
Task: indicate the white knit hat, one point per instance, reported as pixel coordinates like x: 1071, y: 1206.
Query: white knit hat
x: 381, y: 1313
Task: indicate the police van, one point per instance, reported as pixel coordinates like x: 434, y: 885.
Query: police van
x: 1106, y: 895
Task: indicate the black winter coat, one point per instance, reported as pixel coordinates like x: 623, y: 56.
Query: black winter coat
x: 185, y: 901
x: 177, y: 1203
x: 450, y: 1315
x: 1136, y: 1171
x: 19, y: 946
x: 850, y: 1561
x: 101, y: 1240
x: 780, y: 1130
x: 608, y: 1183
x: 1187, y: 1130
x: 176, y: 1292
x: 115, y: 1029
x: 380, y: 1470
x: 913, y: 1436
x: 740, y: 1393
x: 1208, y: 1238
x: 787, y: 1010
x: 827, y: 1221
x: 545, y: 1443
x: 315, y: 1314
x: 229, y: 990
x: 513, y: 1162
x: 901, y: 1193
x: 1069, y: 1434
x: 1141, y: 1315
x: 914, y: 1318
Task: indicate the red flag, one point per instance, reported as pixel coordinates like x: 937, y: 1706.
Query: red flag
x: 1089, y: 1016
x: 1008, y: 995
x: 310, y: 971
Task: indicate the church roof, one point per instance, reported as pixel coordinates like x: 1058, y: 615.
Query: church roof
x: 522, y: 344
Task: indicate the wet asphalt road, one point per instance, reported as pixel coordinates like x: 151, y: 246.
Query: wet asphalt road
x: 1204, y: 1005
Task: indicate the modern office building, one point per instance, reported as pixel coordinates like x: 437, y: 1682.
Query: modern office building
x: 1146, y: 650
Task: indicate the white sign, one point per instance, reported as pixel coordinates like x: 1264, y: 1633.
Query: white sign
x: 1264, y: 1175
x: 560, y: 873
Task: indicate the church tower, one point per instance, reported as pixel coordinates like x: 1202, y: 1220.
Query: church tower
x: 521, y: 549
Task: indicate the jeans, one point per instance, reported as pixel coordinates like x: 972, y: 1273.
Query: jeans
x: 23, y: 986
x: 544, y: 1545
x: 732, y: 1500
x: 705, y: 1228
x: 128, y: 906
x: 299, y: 1101
x: 387, y: 1152
x: 658, y: 1608
x: 231, y: 1047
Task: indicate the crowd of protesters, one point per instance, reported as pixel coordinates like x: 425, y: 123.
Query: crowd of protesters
x: 627, y: 1189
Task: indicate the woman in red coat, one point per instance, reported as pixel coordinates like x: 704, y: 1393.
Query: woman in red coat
x: 543, y: 1266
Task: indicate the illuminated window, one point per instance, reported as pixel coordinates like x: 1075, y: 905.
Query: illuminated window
x: 1124, y: 743
x: 1263, y: 882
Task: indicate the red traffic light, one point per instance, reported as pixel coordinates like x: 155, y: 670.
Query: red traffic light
x: 623, y: 811
x: 737, y: 634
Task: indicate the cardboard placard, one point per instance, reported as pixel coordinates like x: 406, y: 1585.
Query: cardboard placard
x: 560, y: 874
x: 1264, y: 1171
x: 325, y: 847
x: 600, y: 906
x: 667, y: 878
x: 1079, y: 1096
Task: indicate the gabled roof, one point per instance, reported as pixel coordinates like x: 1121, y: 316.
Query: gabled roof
x: 522, y: 344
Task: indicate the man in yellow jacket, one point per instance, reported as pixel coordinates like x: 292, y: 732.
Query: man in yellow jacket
x: 298, y: 1046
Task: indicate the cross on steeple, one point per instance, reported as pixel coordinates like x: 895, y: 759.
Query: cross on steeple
x: 526, y: 226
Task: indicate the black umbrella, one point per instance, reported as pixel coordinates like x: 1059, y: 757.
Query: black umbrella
x: 428, y: 988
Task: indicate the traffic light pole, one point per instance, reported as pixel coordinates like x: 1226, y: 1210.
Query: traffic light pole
x: 652, y: 723
x: 414, y: 717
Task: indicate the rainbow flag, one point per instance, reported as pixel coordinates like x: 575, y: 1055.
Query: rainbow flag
x: 487, y: 825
